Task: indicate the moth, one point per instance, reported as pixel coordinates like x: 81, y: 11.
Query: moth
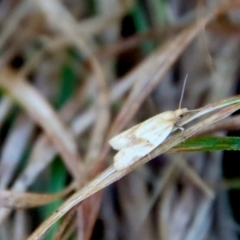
x: 141, y: 139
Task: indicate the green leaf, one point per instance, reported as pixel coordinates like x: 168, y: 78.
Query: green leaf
x: 209, y: 143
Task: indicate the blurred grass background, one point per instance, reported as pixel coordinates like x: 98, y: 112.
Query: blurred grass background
x: 66, y: 70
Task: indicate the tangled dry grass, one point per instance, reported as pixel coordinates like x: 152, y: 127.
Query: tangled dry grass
x: 71, y: 79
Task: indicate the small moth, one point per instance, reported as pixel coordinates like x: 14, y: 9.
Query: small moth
x: 141, y: 139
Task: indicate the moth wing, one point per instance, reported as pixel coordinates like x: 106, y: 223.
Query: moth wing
x: 147, y: 137
x: 121, y: 140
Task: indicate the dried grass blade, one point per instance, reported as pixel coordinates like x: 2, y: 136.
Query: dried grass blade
x: 44, y: 115
x: 111, y: 175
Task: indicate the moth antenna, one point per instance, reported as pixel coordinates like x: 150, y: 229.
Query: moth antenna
x: 183, y: 90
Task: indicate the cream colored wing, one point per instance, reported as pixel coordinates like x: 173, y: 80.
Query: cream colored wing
x: 146, y: 136
x: 121, y: 140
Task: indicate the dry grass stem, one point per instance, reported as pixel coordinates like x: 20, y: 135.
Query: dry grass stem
x: 75, y: 73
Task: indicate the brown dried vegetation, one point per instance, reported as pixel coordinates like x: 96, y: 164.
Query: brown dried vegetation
x: 62, y: 99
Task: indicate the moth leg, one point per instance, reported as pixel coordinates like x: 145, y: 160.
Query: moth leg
x: 182, y: 129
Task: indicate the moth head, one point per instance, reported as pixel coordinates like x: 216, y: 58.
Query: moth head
x: 180, y: 112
